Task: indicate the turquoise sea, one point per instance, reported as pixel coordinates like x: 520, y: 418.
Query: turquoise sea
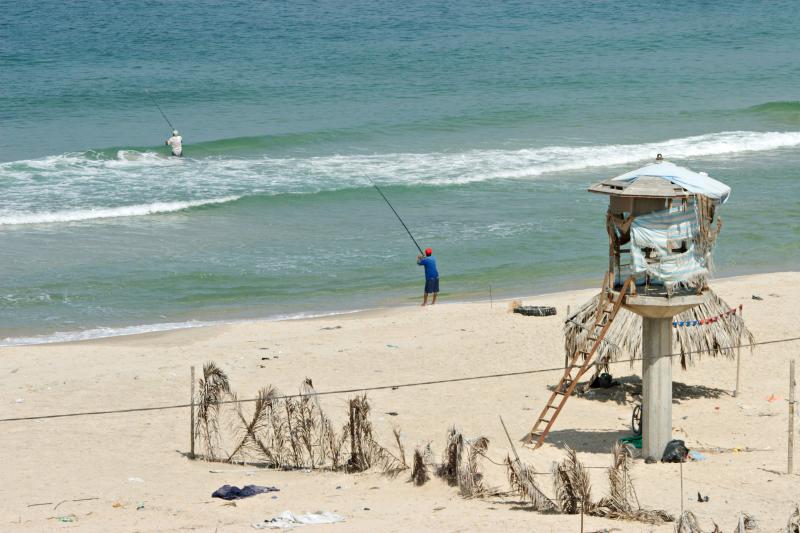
x: 483, y: 122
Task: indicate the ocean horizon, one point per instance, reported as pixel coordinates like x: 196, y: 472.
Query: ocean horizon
x: 483, y: 125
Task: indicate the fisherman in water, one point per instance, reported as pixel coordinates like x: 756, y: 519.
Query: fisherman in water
x: 176, y: 143
x: 431, y: 276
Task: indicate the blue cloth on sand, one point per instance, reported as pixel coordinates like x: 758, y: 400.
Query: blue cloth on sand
x: 430, y: 267
x: 228, y: 492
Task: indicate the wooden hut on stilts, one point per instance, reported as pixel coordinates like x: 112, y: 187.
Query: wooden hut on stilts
x: 662, y: 223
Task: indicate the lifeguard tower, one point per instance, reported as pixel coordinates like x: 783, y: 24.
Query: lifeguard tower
x: 661, y: 228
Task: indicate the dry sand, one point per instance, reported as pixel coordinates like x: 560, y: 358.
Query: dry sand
x: 137, y: 458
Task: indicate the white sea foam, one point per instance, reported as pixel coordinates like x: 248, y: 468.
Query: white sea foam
x: 110, y: 212
x: 106, y: 332
x: 73, y: 187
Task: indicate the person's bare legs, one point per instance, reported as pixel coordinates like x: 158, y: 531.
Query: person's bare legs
x: 425, y: 299
x: 433, y: 300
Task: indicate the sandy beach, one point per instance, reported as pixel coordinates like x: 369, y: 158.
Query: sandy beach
x: 134, y: 469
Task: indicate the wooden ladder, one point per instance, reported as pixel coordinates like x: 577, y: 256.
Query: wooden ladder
x: 607, y: 310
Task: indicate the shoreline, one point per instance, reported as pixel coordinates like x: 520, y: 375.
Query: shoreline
x: 160, y: 328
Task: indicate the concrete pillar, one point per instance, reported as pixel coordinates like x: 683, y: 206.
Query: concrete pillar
x: 656, y: 386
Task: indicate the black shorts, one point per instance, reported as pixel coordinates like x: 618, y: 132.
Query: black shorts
x: 431, y: 285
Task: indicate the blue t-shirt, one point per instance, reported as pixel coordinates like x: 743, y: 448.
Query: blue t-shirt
x: 430, y: 267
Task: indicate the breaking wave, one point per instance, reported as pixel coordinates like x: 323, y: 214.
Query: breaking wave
x: 76, y: 187
x: 114, y: 212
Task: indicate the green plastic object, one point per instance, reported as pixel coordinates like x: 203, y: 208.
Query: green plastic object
x: 633, y: 440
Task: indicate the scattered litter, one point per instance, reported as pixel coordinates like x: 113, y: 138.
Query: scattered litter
x: 265, y: 358
x: 67, y: 518
x: 117, y: 505
x: 140, y: 506
x: 675, y: 452
x: 288, y: 520
x: 696, y: 456
x: 392, y: 413
x: 535, y: 310
x: 231, y: 471
x: 367, y: 509
x: 135, y: 480
x: 228, y: 492
x: 229, y: 504
x: 391, y: 346
x: 772, y: 398
x: 438, y: 508
x: 701, y: 499
x: 332, y: 327
x: 19, y: 400
x: 757, y: 297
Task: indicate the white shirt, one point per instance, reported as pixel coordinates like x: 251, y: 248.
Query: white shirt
x: 176, y: 143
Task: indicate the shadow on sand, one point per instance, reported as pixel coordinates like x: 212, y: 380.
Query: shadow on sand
x: 628, y: 389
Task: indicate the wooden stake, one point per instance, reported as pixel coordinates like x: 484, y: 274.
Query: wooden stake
x: 681, y: 486
x: 491, y: 301
x: 791, y: 416
x: 566, y: 355
x: 738, y: 362
x: 191, y: 417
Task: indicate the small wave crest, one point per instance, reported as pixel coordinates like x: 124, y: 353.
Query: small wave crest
x: 111, y: 212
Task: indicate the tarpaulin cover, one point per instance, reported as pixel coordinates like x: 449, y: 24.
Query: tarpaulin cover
x: 696, y: 182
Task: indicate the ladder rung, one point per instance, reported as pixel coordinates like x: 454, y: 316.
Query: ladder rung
x: 545, y: 420
x: 551, y: 407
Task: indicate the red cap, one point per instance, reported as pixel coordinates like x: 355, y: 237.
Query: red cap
x: 428, y: 251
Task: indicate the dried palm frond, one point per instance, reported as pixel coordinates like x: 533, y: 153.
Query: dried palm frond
x: 470, y: 480
x: 365, y: 452
x: 332, y: 443
x: 292, y: 433
x: 258, y: 423
x: 419, y: 471
x: 521, y: 478
x: 746, y: 523
x: 451, y: 458
x: 624, y: 336
x: 618, y: 504
x: 306, y: 422
x: 572, y: 486
x: 687, y: 523
x: 360, y: 430
x: 793, y: 525
x: 213, y: 388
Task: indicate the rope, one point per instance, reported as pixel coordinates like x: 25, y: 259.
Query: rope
x: 382, y: 387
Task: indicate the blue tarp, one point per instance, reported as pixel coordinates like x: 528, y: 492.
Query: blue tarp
x: 696, y: 182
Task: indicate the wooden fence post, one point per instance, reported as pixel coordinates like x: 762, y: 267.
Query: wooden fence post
x: 191, y: 417
x: 791, y: 417
x: 738, y: 360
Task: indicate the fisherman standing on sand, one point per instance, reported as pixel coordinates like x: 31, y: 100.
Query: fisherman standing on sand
x: 176, y: 143
x: 431, y: 275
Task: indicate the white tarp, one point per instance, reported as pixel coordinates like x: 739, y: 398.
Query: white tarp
x: 288, y: 520
x: 663, y: 232
x: 696, y: 182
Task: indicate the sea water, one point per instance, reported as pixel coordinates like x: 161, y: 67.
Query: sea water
x: 483, y: 123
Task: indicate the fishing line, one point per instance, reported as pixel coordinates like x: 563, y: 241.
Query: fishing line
x: 395, y: 213
x: 171, y: 127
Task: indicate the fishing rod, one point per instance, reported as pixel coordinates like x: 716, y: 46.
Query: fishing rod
x: 171, y: 127
x: 395, y: 213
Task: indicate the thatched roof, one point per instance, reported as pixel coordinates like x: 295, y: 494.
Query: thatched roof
x: 624, y: 337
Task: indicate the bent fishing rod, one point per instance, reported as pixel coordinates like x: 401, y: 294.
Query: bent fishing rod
x: 395, y: 213
x: 171, y: 127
